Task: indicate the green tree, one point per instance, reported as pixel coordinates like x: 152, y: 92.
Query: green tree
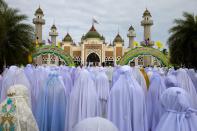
x: 15, y: 36
x: 183, y: 41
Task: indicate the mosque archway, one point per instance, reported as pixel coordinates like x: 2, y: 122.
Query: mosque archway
x: 50, y: 53
x: 93, y: 59
x: 146, y: 51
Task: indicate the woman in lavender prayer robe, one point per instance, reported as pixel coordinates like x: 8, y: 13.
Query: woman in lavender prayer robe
x: 83, y: 100
x: 14, y: 76
x: 66, y: 75
x: 29, y: 71
x: 179, y: 114
x: 171, y: 81
x: 186, y: 83
x: 192, y: 74
x: 102, y: 89
x: 127, y: 108
x: 116, y: 74
x: 154, y: 109
x: 52, y: 103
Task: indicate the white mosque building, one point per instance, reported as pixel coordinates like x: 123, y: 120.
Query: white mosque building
x: 93, y: 49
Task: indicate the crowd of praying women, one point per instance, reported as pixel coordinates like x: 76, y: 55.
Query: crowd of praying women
x: 121, y: 98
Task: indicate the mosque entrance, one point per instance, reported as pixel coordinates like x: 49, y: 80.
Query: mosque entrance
x: 93, y: 60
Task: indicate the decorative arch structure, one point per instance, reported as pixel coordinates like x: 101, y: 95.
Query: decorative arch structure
x: 49, y: 49
x: 130, y: 55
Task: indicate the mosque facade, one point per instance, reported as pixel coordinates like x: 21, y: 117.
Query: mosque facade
x: 93, y: 49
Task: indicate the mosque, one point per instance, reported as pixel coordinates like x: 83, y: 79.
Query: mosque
x: 92, y: 49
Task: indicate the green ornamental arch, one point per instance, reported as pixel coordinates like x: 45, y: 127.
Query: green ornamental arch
x: 143, y: 51
x: 49, y: 49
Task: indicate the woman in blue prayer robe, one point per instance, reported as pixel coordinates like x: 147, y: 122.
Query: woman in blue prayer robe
x: 179, y: 114
x: 52, y: 103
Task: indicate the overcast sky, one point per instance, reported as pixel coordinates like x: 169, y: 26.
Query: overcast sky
x: 76, y: 16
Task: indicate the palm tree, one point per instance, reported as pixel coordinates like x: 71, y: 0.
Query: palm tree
x: 15, y: 36
x: 183, y: 41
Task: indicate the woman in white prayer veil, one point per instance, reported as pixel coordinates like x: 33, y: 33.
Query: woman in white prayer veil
x: 102, y: 88
x: 140, y: 78
x: 126, y: 106
x: 83, y: 100
x: 109, y: 73
x: 186, y: 83
x: 95, y: 124
x: 14, y: 76
x: 15, y: 114
x: 179, y: 114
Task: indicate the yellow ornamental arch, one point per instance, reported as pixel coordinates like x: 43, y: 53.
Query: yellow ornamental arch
x: 130, y: 55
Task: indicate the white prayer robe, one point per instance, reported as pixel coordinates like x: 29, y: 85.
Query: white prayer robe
x: 83, y: 100
x: 15, y: 113
x: 127, y: 108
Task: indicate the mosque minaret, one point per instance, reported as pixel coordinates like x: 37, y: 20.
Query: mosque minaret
x: 53, y: 34
x: 147, y: 22
x: 131, y: 35
x: 39, y: 22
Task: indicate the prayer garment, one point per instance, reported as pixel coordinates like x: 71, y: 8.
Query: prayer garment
x: 95, y: 124
x: 15, y: 113
x: 83, y: 99
x: 179, y: 114
x: 127, y: 108
x: 52, y: 103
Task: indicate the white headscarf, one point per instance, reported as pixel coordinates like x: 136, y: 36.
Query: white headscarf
x: 95, y: 124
